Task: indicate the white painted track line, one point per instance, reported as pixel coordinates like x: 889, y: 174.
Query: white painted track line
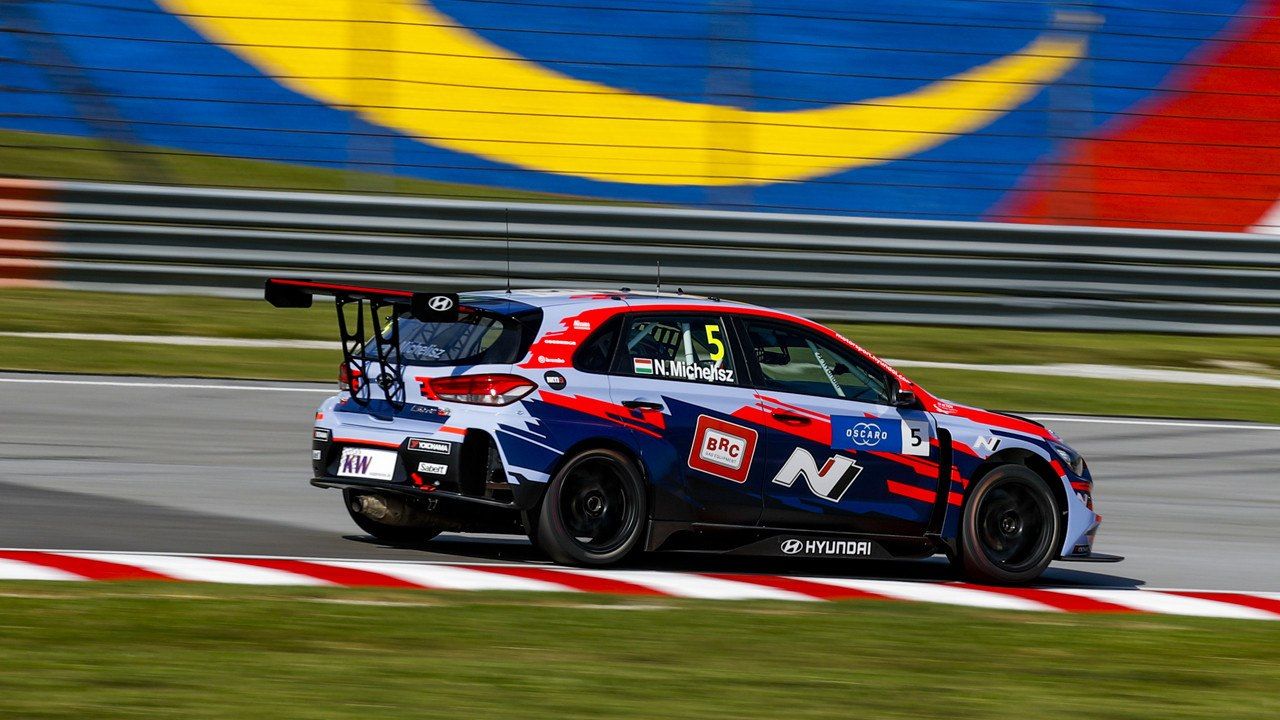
x: 937, y: 593
x: 167, y: 385
x: 1153, y: 601
x: 674, y: 584
x: 446, y: 577
x: 198, y: 569
x: 18, y: 570
x: 690, y: 585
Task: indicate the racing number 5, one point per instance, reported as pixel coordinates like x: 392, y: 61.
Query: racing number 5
x: 713, y: 341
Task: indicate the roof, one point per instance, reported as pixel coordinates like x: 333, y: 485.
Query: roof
x: 558, y: 297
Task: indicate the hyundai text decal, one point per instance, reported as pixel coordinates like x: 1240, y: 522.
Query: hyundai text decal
x: 829, y: 483
x: 849, y: 548
x: 722, y: 449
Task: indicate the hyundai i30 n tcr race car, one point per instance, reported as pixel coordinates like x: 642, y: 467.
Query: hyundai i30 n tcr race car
x: 607, y: 423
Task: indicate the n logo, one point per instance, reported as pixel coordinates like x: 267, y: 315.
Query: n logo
x: 829, y: 483
x: 988, y: 443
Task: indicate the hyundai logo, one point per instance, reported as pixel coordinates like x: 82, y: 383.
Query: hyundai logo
x: 791, y: 546
x: 440, y: 303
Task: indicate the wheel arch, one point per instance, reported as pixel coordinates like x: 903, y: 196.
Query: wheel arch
x: 1037, y: 464
x: 598, y: 443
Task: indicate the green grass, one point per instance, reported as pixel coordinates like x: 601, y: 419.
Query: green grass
x: 197, y: 651
x: 30, y: 310
x: 66, y: 157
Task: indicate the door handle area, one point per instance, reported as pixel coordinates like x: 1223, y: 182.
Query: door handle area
x: 643, y: 405
x: 790, y: 418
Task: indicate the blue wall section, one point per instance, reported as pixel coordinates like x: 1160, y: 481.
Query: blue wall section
x: 176, y: 89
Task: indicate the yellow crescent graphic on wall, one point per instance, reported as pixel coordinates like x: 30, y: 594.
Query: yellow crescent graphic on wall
x: 407, y: 67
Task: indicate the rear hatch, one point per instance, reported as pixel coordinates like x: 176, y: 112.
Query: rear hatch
x: 401, y: 367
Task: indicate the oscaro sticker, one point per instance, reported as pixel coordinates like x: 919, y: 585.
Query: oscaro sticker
x: 909, y: 437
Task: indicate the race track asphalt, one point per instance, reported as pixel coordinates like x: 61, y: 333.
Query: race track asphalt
x: 185, y: 465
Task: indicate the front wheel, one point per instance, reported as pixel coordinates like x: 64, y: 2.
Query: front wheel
x: 1010, y: 527
x: 594, y: 510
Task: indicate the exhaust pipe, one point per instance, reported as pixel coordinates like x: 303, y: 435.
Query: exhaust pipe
x: 391, y: 510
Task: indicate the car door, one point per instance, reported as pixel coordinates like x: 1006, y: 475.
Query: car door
x: 680, y: 373
x: 838, y: 455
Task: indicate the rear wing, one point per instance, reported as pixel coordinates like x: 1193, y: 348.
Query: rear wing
x: 380, y: 307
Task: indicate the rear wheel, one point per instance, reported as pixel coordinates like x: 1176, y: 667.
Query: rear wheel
x: 594, y: 510
x: 1010, y: 527
x: 388, y: 520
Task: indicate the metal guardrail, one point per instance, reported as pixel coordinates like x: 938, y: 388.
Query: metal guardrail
x: 225, y: 242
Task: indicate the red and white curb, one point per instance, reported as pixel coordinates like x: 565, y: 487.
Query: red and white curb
x: 65, y: 565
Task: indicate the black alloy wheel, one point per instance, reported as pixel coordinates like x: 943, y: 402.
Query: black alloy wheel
x: 594, y: 511
x: 1011, y: 526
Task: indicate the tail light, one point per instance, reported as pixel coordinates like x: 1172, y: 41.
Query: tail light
x: 478, y: 389
x: 348, y: 378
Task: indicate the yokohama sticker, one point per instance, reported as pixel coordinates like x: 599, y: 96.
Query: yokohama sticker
x: 722, y: 449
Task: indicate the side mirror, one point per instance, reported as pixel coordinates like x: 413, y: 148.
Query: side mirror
x: 899, y: 397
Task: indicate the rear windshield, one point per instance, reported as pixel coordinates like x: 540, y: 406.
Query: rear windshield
x: 476, y: 338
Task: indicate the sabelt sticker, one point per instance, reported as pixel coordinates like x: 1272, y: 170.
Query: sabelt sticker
x: 723, y: 449
x: 908, y: 437
x: 432, y: 468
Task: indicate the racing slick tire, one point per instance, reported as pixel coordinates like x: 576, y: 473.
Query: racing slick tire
x: 1010, y: 527
x: 396, y: 534
x: 594, y: 511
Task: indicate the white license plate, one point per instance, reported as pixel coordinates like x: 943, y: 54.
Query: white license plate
x: 365, y: 463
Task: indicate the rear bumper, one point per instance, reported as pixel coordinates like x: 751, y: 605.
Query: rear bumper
x: 428, y: 497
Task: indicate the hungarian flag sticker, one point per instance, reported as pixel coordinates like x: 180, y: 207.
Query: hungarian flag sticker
x: 642, y: 366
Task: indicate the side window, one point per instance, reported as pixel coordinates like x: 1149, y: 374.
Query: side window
x: 793, y: 359
x: 693, y: 348
x: 594, y: 354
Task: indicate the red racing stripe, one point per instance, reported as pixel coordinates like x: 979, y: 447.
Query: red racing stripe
x: 346, y: 577
x: 1061, y: 601
x: 373, y: 443
x: 803, y: 587
x: 91, y: 569
x: 1253, y: 601
x: 585, y: 583
x: 922, y: 494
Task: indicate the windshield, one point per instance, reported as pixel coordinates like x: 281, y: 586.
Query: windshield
x: 476, y: 338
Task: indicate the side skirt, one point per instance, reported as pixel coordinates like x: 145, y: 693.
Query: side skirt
x: 670, y: 536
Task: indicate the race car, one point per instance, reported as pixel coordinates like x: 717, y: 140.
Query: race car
x: 604, y: 424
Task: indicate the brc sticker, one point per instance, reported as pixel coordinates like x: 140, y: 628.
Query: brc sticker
x: 908, y: 437
x: 722, y: 449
